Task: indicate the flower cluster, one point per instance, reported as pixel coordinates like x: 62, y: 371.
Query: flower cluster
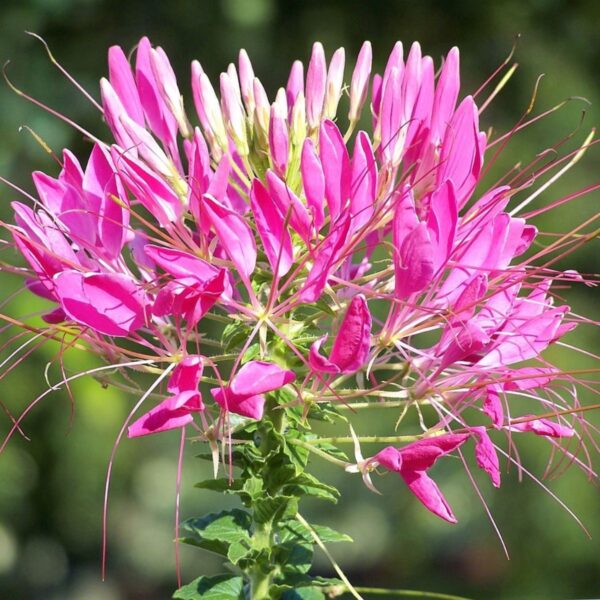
x: 234, y: 250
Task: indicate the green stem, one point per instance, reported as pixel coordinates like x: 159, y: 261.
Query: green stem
x: 308, y: 446
x: 367, y: 439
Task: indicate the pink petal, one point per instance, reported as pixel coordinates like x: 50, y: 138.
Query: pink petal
x: 336, y: 167
x: 427, y: 491
x: 442, y: 221
x: 317, y: 361
x: 422, y: 454
x: 121, y: 79
x: 415, y: 267
x: 530, y: 378
x: 327, y: 253
x: 353, y: 341
x: 270, y: 224
x: 111, y: 304
x: 186, y: 375
x: 160, y: 418
x: 364, y: 181
x: 461, y: 155
x: 288, y: 202
x: 161, y: 119
x: 181, y: 264
x: 247, y: 406
x: 446, y: 93
x: 313, y: 181
x: 257, y: 377
x: 234, y: 235
x: 486, y: 456
x: 543, y: 427
x: 492, y: 406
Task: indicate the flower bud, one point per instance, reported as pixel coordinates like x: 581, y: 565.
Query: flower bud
x: 360, y: 81
x: 316, y: 76
x: 335, y: 80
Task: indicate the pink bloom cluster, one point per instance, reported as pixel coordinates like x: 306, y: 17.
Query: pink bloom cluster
x: 276, y: 215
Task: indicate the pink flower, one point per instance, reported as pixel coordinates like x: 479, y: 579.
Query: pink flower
x: 411, y: 463
x: 177, y: 410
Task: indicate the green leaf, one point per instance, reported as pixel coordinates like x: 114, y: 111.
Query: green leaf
x: 218, y: 587
x: 274, y: 509
x: 237, y: 551
x: 304, y: 593
x: 234, y: 334
x: 306, y: 484
x: 295, y: 530
x: 217, y: 531
x: 252, y: 353
x: 222, y: 485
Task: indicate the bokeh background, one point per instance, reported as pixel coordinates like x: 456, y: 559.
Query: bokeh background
x: 51, y: 488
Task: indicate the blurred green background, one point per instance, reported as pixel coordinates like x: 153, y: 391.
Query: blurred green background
x: 51, y: 488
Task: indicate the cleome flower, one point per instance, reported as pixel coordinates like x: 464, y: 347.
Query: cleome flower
x: 227, y: 245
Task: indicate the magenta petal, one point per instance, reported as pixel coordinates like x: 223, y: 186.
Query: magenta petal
x: 111, y: 304
x: 416, y: 266
x: 313, y: 181
x: 317, y: 361
x: 181, y: 264
x: 247, y: 406
x: 390, y: 458
x: 353, y: 341
x: 234, y: 235
x: 486, y: 456
x: 364, y: 181
x: 422, y: 454
x: 257, y: 377
x: 492, y: 406
x: 160, y: 418
x: 327, y: 252
x: 270, y: 223
x: 186, y: 375
x: 544, y: 427
x: 121, y: 78
x: 427, y: 491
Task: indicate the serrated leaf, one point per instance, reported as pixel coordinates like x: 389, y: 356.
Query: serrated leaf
x: 218, y: 587
x: 273, y: 509
x: 294, y: 530
x: 237, y: 551
x: 306, y: 484
x: 217, y: 531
